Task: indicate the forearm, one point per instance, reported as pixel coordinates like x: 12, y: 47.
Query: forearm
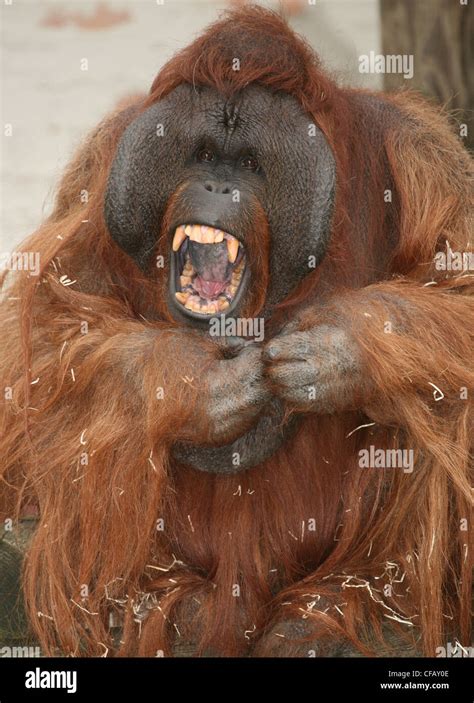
x: 414, y: 339
x: 400, y: 352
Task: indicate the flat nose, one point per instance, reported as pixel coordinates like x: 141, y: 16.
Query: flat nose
x: 218, y: 187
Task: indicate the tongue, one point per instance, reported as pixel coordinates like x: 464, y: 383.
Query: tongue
x: 208, y: 289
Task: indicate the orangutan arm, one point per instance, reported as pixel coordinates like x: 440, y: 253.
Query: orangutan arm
x: 172, y: 383
x: 390, y: 342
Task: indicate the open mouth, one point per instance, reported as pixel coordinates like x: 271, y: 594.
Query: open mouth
x: 209, y: 267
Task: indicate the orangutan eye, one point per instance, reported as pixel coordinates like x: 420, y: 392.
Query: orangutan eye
x: 250, y: 163
x: 206, y: 155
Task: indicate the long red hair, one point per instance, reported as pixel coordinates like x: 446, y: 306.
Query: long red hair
x: 174, y: 554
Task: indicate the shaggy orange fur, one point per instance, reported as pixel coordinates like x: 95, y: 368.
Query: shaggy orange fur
x: 89, y: 441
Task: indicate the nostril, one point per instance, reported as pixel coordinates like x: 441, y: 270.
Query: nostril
x: 218, y: 187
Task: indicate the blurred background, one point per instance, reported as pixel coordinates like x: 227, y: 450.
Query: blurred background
x: 65, y: 64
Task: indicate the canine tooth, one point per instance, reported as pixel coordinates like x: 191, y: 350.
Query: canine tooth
x: 179, y: 237
x: 232, y: 249
x: 182, y: 297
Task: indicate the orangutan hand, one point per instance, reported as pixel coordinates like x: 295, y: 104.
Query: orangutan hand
x: 318, y: 370
x: 233, y: 396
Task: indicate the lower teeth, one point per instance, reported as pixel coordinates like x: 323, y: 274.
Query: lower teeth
x: 191, y: 300
x: 196, y: 304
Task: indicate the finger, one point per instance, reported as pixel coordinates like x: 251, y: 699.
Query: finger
x: 300, y: 396
x: 290, y: 346
x: 297, y: 373
x: 232, y: 346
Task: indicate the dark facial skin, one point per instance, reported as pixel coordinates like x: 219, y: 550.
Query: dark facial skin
x: 223, y: 160
x: 293, y: 176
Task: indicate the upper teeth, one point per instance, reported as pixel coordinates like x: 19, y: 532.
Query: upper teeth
x: 206, y: 235
x: 232, y: 248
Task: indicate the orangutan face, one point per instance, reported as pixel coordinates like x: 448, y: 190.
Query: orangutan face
x: 223, y: 176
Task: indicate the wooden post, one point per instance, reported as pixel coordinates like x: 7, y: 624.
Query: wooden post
x: 439, y: 35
